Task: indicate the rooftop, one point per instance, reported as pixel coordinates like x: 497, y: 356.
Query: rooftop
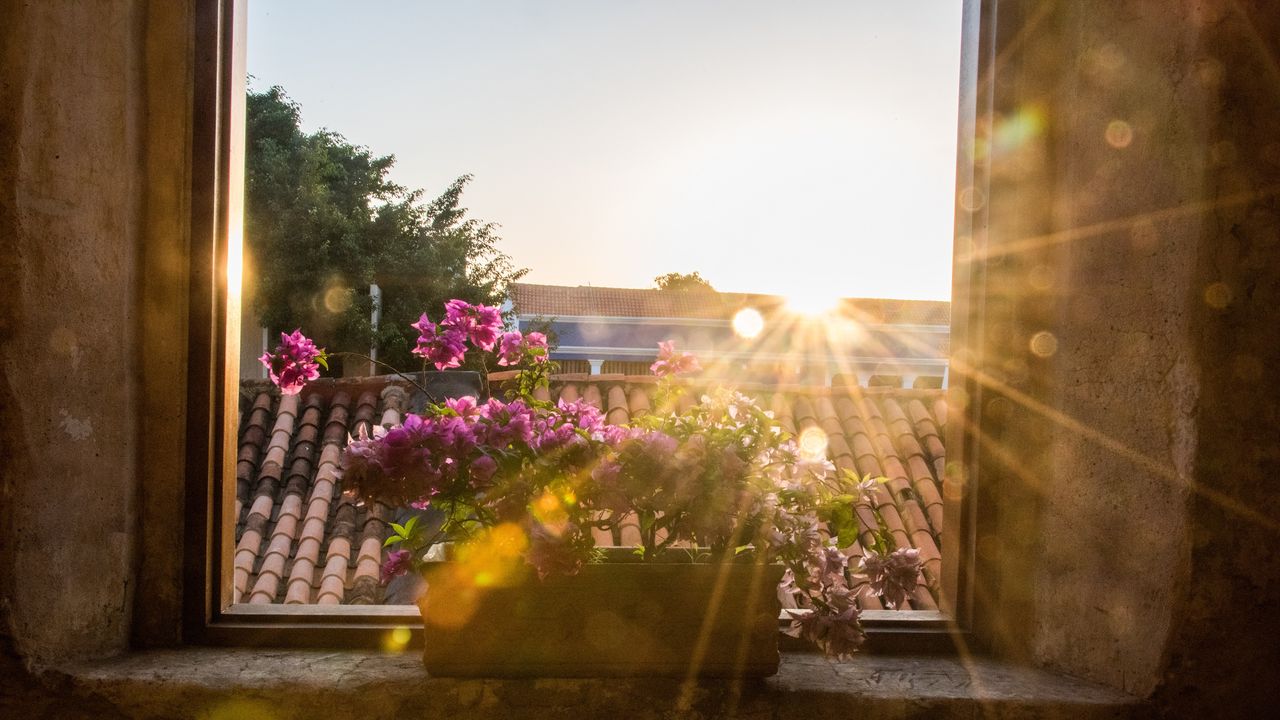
x: 584, y: 300
x: 299, y: 540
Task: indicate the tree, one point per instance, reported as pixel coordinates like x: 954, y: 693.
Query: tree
x: 683, y: 281
x: 323, y: 221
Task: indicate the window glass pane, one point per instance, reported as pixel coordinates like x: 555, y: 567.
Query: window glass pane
x: 768, y: 186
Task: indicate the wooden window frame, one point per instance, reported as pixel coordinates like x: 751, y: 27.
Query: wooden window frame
x: 217, y: 187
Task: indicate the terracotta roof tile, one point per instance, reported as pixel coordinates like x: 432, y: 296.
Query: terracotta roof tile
x: 591, y: 395
x: 300, y: 540
x: 569, y: 393
x: 617, y: 414
x: 638, y: 400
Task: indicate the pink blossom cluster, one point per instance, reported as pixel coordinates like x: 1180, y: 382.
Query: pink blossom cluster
x: 832, y: 621
x: 445, y: 344
x: 295, y: 362
x: 516, y: 347
x: 673, y: 362
x: 829, y: 592
x: 457, y: 451
x: 892, y: 576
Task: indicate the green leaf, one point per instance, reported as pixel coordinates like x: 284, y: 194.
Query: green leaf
x: 399, y: 529
x: 409, y: 526
x: 392, y: 541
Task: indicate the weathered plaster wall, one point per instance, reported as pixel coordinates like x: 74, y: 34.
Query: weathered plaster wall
x: 71, y: 113
x: 1223, y: 655
x: 95, y: 123
x: 1129, y: 420
x: 1128, y: 133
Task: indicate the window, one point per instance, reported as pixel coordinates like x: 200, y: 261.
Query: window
x: 279, y: 551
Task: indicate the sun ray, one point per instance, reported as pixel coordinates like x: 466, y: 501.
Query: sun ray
x: 1136, y: 457
x: 1109, y: 226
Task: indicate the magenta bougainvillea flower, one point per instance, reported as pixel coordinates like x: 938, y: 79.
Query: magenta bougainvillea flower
x: 516, y: 347
x: 295, y: 362
x: 481, y: 324
x: 511, y: 348
x: 443, y: 346
x: 398, y: 563
x: 673, y: 362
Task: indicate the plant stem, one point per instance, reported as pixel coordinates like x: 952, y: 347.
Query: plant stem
x: 484, y: 373
x: 389, y: 367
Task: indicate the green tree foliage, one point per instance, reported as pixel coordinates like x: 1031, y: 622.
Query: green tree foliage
x: 683, y: 281
x: 323, y: 221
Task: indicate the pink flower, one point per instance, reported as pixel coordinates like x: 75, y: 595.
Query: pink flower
x: 837, y: 631
x: 295, y: 362
x: 398, y: 563
x: 537, y: 341
x: 672, y: 362
x: 481, y: 324
x: 511, y: 348
x: 514, y: 348
x: 892, y: 576
x: 483, y: 469
x: 464, y: 406
x: 831, y: 564
x: 443, y: 346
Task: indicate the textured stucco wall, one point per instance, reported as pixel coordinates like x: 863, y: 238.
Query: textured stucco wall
x: 1128, y: 134
x: 1224, y: 659
x: 94, y: 156
x: 70, y: 215
x: 1128, y: 497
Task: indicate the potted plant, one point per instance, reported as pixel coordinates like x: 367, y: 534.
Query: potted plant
x: 730, y: 510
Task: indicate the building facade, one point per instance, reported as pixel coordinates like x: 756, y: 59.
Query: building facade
x: 601, y: 330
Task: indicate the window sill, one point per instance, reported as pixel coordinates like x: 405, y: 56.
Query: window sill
x: 320, y: 684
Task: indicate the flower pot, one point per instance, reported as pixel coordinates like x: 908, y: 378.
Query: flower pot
x: 441, y: 384
x: 611, y: 619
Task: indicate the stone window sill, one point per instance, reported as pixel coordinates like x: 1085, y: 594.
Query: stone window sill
x: 318, y: 684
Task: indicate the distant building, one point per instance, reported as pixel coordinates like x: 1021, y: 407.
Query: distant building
x: 864, y: 341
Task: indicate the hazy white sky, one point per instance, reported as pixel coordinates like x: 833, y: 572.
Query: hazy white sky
x: 773, y: 146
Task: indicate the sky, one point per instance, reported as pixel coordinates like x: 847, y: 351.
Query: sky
x: 792, y: 148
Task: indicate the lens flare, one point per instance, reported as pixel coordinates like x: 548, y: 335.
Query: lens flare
x: 240, y: 709
x: 748, y: 323
x: 397, y: 640
x: 490, y: 560
x: 1119, y: 134
x: 550, y: 510
x: 1044, y: 344
x: 337, y: 299
x: 813, y: 444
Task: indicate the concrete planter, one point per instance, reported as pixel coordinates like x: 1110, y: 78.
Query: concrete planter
x: 611, y: 619
x: 441, y: 384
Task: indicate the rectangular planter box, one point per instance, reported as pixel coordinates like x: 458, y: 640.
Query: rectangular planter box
x: 611, y: 619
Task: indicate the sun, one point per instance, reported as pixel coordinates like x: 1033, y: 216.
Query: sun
x: 813, y: 302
